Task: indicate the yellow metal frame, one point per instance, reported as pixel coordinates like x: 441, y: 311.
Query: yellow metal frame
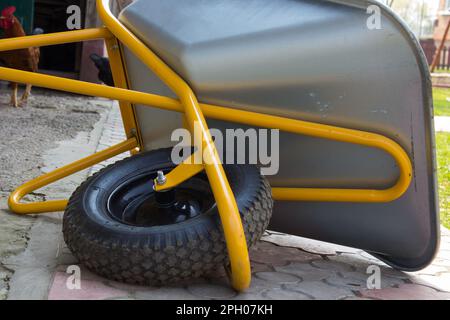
x: 115, y: 35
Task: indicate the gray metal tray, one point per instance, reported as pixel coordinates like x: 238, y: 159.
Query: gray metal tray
x: 311, y: 60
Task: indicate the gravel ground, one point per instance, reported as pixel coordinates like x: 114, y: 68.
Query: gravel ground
x: 25, y: 134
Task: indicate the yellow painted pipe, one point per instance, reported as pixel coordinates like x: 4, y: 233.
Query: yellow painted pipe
x: 120, y: 80
x: 53, y: 38
x: 181, y: 173
x: 193, y: 112
x: 254, y: 119
x: 58, y: 174
x: 90, y: 89
x: 331, y: 133
x: 221, y: 113
x: 226, y: 203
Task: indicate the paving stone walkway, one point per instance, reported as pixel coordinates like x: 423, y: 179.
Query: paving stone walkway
x: 300, y: 269
x: 284, y: 267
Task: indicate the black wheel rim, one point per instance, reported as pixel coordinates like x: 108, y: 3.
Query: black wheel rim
x: 134, y: 202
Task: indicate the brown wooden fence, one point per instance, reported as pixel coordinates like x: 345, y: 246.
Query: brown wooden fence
x: 430, y: 48
x: 444, y: 62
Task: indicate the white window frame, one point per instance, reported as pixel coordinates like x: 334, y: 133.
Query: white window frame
x: 447, y: 5
x: 446, y: 10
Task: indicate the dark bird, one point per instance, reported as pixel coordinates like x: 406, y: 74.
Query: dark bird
x: 104, y: 69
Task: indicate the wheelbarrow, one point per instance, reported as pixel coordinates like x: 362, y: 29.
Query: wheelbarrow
x: 356, y: 146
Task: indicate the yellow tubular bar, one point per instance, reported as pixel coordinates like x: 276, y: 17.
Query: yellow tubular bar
x: 185, y: 170
x: 226, y: 203
x: 46, y: 179
x: 319, y: 131
x: 254, y: 119
x: 331, y: 133
x: 194, y: 115
x: 90, y: 89
x: 120, y: 81
x: 53, y: 38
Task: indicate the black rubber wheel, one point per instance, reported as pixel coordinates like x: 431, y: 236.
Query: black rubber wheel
x: 118, y: 227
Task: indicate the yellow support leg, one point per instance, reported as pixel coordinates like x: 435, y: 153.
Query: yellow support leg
x: 48, y: 178
x: 185, y: 170
x: 120, y: 81
x: 226, y: 203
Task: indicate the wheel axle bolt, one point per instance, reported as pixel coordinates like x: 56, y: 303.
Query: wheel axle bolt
x: 161, y: 178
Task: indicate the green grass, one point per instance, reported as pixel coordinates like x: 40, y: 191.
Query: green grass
x: 441, y: 70
x: 442, y: 108
x: 441, y: 105
x: 443, y: 159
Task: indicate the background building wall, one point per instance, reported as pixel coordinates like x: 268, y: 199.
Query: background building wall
x: 442, y: 20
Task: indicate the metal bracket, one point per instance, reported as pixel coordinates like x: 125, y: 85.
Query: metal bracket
x: 185, y: 170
